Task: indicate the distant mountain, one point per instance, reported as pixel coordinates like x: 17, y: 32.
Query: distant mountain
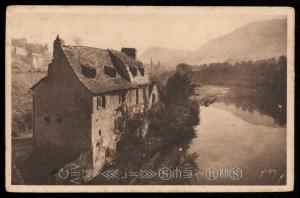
x: 167, y: 57
x: 256, y: 40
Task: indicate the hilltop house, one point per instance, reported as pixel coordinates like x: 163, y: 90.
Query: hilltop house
x: 35, y: 54
x: 35, y: 59
x: 75, y: 105
x: 155, y: 69
x: 19, y: 51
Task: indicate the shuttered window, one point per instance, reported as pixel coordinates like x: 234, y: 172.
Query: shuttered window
x: 122, y: 97
x: 101, y: 102
x: 137, y: 96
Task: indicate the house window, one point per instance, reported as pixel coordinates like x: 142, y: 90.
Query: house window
x: 122, y: 97
x: 100, y: 132
x: 101, y: 102
x: 110, y: 71
x: 137, y: 96
x: 133, y: 71
x: 88, y: 71
x: 142, y: 70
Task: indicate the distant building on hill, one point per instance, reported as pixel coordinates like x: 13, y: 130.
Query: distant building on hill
x: 19, y: 51
x: 35, y: 54
x: 154, y: 69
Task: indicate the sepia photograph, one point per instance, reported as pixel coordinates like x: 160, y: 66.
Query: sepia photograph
x: 149, y: 99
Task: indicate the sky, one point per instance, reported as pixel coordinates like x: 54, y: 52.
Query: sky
x: 138, y: 28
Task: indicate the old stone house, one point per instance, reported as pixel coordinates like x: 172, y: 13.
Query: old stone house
x: 75, y: 105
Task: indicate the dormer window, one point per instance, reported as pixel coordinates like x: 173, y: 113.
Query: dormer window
x: 110, y: 71
x: 88, y: 71
x: 133, y: 71
x: 142, y: 70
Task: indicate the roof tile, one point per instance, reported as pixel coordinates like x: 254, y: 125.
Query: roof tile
x: 99, y: 59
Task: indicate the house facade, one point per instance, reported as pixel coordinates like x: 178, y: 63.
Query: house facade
x: 75, y: 107
x: 37, y: 60
x: 19, y: 51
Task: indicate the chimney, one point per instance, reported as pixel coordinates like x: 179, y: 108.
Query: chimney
x: 58, y: 42
x: 129, y: 52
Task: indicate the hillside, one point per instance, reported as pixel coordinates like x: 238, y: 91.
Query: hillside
x: 23, y: 78
x: 256, y: 40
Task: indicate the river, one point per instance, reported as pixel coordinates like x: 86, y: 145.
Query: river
x: 238, y: 145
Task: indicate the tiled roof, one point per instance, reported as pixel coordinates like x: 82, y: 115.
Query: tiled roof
x: 40, y: 81
x: 98, y: 59
x: 131, y: 62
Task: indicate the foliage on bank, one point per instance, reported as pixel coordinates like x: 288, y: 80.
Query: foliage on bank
x: 269, y: 73
x: 179, y: 114
x: 171, y: 122
x: 256, y: 85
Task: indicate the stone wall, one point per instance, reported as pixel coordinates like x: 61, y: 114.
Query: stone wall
x: 103, y: 136
x: 107, y: 122
x: 67, y: 118
x: 62, y: 109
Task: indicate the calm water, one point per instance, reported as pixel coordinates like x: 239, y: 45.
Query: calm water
x: 235, y: 133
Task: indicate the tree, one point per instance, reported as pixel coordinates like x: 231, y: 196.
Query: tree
x: 178, y: 90
x: 179, y: 114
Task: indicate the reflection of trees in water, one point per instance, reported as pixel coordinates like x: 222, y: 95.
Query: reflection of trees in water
x: 264, y: 101
x: 187, y: 162
x: 267, y: 77
x: 179, y: 158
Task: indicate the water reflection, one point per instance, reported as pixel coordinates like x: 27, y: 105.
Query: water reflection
x: 243, y: 129
x: 216, y: 146
x: 265, y: 102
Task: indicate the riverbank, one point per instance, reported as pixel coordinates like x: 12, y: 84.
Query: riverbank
x: 210, y: 90
x: 231, y: 136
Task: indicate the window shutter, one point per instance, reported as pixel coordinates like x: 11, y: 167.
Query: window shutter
x: 99, y: 103
x: 103, y: 101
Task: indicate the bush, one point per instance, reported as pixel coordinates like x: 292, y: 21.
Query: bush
x: 176, y: 118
